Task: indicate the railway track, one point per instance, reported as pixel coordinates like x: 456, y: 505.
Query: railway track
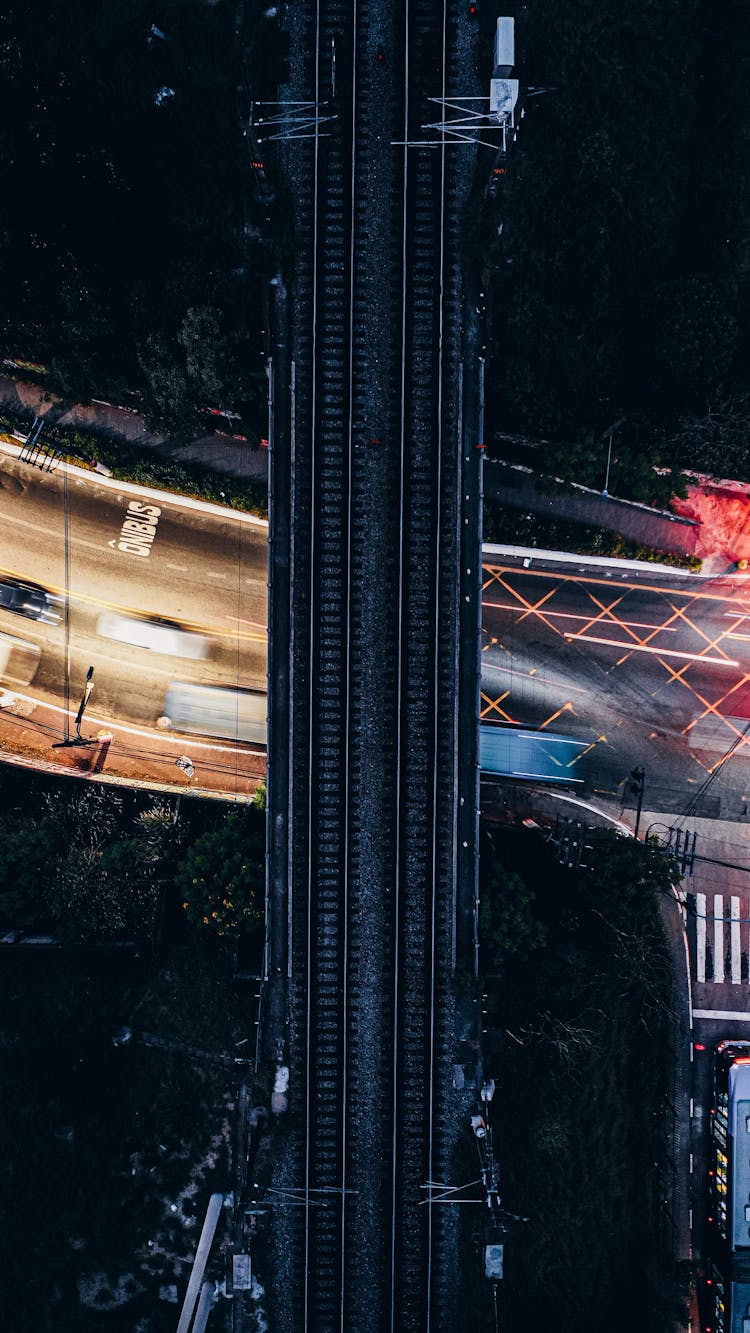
x: 375, y: 507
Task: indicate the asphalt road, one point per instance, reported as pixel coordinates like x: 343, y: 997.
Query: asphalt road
x: 198, y: 566
x: 649, y: 670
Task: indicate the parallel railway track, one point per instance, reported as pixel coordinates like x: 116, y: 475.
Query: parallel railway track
x: 376, y: 474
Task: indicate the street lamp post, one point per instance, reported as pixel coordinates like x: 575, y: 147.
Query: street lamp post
x: 78, y: 739
x: 87, y: 689
x: 609, y: 431
x: 605, y: 492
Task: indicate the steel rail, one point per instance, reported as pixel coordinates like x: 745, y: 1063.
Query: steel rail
x: 347, y: 677
x: 436, y: 682
x: 311, y: 678
x: 399, y: 676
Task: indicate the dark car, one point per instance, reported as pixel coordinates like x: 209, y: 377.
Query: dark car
x: 30, y: 600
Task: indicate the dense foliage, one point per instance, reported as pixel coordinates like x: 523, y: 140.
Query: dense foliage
x: 101, y: 1141
x: 621, y: 273
x: 89, y: 864
x: 110, y: 1151
x: 222, y: 875
x: 579, y: 991
x: 78, y: 865
x: 131, y: 253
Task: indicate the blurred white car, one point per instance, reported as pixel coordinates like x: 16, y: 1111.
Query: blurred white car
x: 18, y: 660
x: 152, y: 633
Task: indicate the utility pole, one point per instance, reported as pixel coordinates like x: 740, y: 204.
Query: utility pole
x: 682, y: 849
x: 569, y: 837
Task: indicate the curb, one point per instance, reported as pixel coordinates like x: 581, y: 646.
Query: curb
x: 534, y: 553
x: 131, y: 488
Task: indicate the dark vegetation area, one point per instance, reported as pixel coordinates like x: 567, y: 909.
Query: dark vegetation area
x: 110, y: 1151
x: 579, y: 1000
x: 91, y: 863
x: 133, y: 250
x: 620, y: 281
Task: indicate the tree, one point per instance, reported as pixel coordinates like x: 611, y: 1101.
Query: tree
x: 106, y: 878
x: 200, y: 338
x: 695, y: 338
x: 222, y: 876
x: 27, y: 857
x: 169, y: 399
x: 507, y: 923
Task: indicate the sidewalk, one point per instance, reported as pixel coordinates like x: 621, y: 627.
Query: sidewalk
x: 645, y: 527
x: 220, y: 453
x: 32, y: 732
x: 712, y: 523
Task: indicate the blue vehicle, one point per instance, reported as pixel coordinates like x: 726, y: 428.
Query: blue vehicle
x: 530, y: 756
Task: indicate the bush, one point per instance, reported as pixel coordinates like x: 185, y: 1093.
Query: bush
x: 222, y: 876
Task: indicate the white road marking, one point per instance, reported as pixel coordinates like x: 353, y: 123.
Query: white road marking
x: 735, y: 936
x: 718, y: 937
x: 655, y: 652
x: 212, y: 574
x: 723, y: 1015
x: 700, y: 936
x: 181, y: 569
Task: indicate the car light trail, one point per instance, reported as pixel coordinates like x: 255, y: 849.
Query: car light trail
x: 655, y: 652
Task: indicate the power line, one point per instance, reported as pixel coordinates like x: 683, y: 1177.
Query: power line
x: 701, y: 792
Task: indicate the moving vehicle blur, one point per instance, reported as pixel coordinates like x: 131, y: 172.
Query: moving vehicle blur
x: 30, y: 600
x: 530, y: 756
x: 18, y: 660
x: 216, y: 710
x: 153, y: 633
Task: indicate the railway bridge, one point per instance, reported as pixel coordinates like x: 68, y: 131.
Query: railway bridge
x: 373, y: 666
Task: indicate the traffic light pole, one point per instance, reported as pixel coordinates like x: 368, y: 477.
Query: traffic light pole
x: 638, y: 776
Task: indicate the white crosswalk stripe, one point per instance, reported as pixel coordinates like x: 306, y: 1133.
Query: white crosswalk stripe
x: 730, y: 928
x: 735, y: 937
x: 700, y: 936
x: 718, y: 937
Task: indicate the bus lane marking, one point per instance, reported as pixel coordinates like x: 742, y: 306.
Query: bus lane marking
x: 138, y: 529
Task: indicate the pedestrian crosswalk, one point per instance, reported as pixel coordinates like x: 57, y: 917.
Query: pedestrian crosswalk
x: 719, y: 937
